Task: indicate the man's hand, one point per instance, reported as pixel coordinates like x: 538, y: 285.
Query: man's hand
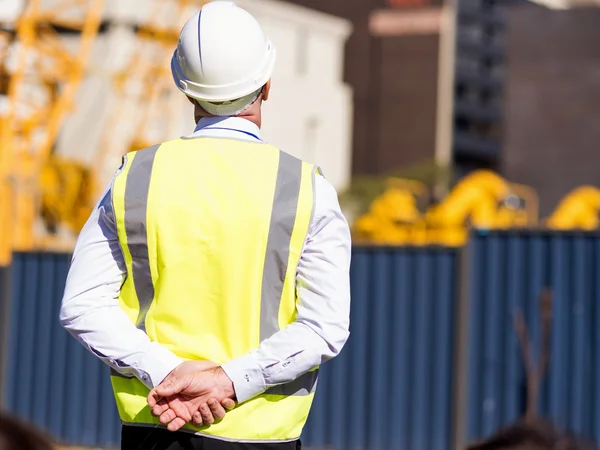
x: 209, y: 412
x: 191, y: 396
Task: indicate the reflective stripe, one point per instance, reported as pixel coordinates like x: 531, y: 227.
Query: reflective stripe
x: 136, y: 206
x: 283, y: 218
x: 301, y: 386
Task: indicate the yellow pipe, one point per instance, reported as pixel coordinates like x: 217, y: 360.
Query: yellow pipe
x: 6, y: 213
x: 14, y: 217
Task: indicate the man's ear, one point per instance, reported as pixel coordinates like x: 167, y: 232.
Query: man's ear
x: 265, y: 91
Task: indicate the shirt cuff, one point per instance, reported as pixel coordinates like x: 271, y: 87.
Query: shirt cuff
x: 156, y: 364
x: 247, y: 377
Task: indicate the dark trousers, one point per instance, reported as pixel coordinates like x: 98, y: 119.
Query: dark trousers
x: 147, y: 438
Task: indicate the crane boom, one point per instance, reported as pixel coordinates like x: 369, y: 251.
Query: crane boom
x: 145, y: 86
x: 43, y: 76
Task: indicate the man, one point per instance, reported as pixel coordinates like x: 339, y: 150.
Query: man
x: 214, y: 271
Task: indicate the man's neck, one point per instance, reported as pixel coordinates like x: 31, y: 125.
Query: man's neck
x: 250, y: 118
x: 254, y: 118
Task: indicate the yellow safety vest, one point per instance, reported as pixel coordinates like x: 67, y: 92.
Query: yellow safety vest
x: 211, y: 232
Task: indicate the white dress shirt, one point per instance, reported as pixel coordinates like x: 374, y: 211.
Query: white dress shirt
x: 91, y: 313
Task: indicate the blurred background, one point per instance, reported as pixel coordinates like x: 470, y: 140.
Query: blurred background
x: 462, y: 137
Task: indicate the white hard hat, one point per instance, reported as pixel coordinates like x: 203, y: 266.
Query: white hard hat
x: 223, y: 58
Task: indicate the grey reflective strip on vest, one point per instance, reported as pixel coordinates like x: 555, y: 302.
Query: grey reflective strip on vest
x: 303, y: 385
x: 136, y: 207
x: 283, y: 218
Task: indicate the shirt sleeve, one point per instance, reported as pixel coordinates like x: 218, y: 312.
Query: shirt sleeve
x: 323, y: 308
x: 90, y: 309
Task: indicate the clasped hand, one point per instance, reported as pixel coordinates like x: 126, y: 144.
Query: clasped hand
x: 195, y: 391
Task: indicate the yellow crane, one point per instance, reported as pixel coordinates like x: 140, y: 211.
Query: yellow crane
x: 41, y: 74
x: 144, y: 89
x: 577, y: 210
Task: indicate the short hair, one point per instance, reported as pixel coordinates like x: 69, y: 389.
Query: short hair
x: 535, y: 435
x: 16, y: 435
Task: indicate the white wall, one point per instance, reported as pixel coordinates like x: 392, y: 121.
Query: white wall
x: 308, y: 114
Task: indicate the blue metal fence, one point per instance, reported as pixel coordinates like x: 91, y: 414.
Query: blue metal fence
x: 392, y: 387
x: 507, y: 272
x: 50, y: 379
x: 4, y: 271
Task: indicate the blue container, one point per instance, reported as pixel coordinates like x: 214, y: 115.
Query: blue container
x: 391, y: 386
x: 4, y: 321
x: 508, y: 271
x: 49, y: 378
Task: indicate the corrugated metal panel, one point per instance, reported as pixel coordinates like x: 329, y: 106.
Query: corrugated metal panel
x: 50, y: 379
x: 3, y: 325
x: 391, y: 386
x: 508, y: 271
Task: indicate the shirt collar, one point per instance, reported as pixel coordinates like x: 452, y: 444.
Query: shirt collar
x: 228, y: 123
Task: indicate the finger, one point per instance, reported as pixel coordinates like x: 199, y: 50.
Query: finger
x: 180, y: 409
x: 168, y: 416
x: 207, y: 416
x: 153, y: 398
x: 172, y: 386
x: 228, y: 403
x: 216, y: 409
x: 160, y: 407
x: 176, y: 424
x: 197, y: 419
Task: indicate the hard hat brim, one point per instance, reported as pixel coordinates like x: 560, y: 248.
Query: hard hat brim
x: 230, y: 108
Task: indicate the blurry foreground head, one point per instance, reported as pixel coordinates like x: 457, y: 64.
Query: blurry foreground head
x: 537, y: 435
x: 15, y: 435
x: 223, y: 59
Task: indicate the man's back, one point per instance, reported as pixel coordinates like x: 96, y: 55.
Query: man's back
x: 224, y: 222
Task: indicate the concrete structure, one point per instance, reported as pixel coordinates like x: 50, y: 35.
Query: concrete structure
x: 392, y: 61
x: 309, y: 113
